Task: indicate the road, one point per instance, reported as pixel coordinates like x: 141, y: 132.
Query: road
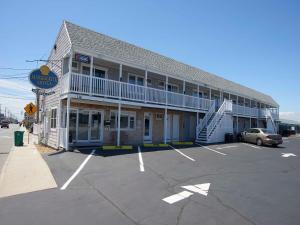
x: 249, y: 185
x: 6, y: 142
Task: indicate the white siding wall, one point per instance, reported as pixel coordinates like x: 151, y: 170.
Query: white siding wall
x: 63, y: 46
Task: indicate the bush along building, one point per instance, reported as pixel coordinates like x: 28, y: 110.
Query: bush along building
x: 113, y: 93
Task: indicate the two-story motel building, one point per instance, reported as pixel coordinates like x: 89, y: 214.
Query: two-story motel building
x: 112, y: 92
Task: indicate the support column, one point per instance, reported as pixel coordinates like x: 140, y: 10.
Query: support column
x: 119, y: 106
x: 237, y: 124
x: 146, y: 84
x: 198, y: 90
x: 166, y: 126
x: 59, y: 122
x: 166, y: 113
x: 183, y: 100
x: 68, y: 123
x: 91, y: 73
x: 210, y: 93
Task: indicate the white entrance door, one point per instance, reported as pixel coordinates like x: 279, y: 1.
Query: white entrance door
x: 147, y: 127
x: 175, y: 129
x: 96, y: 131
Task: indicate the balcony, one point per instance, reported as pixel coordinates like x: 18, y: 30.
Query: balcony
x: 99, y: 87
x: 255, y: 112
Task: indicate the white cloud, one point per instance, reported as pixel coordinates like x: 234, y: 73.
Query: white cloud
x: 16, y: 85
x: 290, y: 115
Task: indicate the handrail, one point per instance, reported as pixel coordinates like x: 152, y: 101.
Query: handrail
x: 269, y: 115
x: 85, y: 84
x: 226, y: 106
x: 204, y: 121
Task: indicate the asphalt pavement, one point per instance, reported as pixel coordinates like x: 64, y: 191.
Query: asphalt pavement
x: 6, y: 142
x: 234, y: 183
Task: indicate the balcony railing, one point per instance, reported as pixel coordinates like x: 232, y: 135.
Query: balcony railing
x: 94, y: 86
x: 255, y: 112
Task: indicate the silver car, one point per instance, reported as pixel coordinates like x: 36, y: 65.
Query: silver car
x: 261, y: 136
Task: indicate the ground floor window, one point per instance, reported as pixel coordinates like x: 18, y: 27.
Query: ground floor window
x: 53, y: 118
x: 127, y: 120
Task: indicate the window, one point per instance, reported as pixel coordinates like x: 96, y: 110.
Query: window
x: 85, y: 70
x: 75, y: 66
x: 134, y: 79
x: 172, y: 88
x: 127, y: 120
x: 149, y: 82
x: 200, y: 94
x: 53, y: 118
x: 66, y: 65
x: 159, y: 116
x: 99, y: 73
x: 161, y: 85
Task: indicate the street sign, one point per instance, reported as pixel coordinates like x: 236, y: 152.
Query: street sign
x: 43, y: 78
x: 30, y: 109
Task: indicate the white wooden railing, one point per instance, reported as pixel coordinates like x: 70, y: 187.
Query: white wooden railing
x: 254, y: 112
x: 225, y: 107
x: 81, y: 84
x: 203, y: 123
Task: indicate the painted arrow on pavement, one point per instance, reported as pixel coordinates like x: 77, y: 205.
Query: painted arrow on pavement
x: 286, y: 155
x: 197, y: 188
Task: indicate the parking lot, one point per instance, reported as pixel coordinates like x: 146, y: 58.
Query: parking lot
x: 234, y: 183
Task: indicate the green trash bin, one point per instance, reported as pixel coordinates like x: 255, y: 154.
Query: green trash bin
x: 19, y: 138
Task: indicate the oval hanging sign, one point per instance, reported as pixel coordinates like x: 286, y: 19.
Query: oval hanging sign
x: 43, y: 78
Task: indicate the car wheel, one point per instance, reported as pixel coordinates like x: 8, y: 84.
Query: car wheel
x: 259, y: 142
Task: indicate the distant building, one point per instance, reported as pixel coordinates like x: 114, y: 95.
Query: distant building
x: 289, y: 126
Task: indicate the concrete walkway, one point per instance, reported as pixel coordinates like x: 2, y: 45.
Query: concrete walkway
x: 25, y: 171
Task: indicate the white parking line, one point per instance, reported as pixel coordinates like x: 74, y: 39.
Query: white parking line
x: 142, y: 169
x: 181, y: 153
x: 77, y: 171
x: 221, y: 153
x: 229, y: 146
x: 253, y: 146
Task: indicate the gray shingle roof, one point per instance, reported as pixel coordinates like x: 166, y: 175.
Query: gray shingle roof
x: 103, y: 44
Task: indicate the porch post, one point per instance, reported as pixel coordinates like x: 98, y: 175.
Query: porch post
x: 146, y: 84
x: 68, y: 123
x: 59, y: 123
x: 183, y: 100
x: 91, y: 73
x: 210, y: 93
x: 244, y: 106
x: 119, y: 106
x: 165, y: 125
x: 166, y: 113
x: 70, y: 71
x: 198, y: 90
x: 237, y: 124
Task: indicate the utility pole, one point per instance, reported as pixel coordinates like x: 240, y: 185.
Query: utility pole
x: 37, y: 105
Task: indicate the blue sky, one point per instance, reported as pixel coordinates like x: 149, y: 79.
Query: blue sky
x: 255, y: 43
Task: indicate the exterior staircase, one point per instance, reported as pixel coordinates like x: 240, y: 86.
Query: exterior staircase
x: 210, y: 124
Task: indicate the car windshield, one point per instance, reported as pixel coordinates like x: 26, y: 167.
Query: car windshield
x: 266, y: 131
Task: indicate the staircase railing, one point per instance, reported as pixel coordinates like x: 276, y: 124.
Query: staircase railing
x: 269, y: 115
x: 225, y: 107
x: 203, y: 123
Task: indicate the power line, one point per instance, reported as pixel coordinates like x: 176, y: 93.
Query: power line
x: 16, y: 74
x: 6, y: 78
x: 15, y: 97
x: 11, y: 68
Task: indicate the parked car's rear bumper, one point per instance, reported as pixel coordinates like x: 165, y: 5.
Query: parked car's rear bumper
x: 272, y: 142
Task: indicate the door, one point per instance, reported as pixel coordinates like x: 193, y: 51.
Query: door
x: 83, y: 125
x: 175, y: 134
x: 96, y: 130
x: 72, y: 125
x: 147, y: 127
x: 169, y: 125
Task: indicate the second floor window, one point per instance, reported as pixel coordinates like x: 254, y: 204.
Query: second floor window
x: 133, y: 79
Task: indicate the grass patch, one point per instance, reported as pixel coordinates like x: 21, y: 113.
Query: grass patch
x: 182, y: 143
x: 113, y: 147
